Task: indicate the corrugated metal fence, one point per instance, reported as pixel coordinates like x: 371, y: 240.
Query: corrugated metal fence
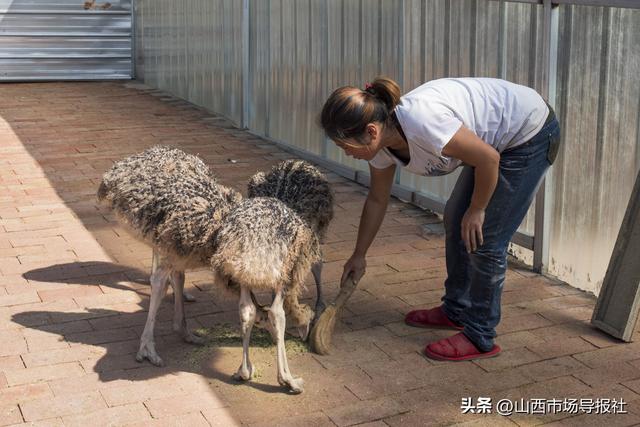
x: 269, y: 64
x: 60, y: 40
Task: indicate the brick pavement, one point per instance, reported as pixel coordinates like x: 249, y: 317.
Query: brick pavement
x: 74, y: 291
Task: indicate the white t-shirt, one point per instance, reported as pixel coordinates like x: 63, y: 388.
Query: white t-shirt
x: 501, y: 113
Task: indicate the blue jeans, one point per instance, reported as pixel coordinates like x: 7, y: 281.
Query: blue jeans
x: 474, y: 281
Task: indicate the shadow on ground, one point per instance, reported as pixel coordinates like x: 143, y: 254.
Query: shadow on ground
x: 220, y: 338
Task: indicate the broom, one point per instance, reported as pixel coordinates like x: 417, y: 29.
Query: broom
x: 322, y: 332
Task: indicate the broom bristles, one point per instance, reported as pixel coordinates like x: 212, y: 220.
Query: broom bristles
x: 322, y: 332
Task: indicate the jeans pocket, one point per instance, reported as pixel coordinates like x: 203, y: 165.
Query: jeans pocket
x: 554, y: 146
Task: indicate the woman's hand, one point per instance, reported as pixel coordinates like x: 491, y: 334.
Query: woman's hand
x: 356, y: 267
x: 472, y: 228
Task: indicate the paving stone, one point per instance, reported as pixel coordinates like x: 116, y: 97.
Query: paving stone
x: 57, y: 356
x: 608, y: 373
x: 60, y: 406
x: 182, y: 404
x: 69, y: 292
x: 522, y: 323
x: 89, y: 382
x: 139, y: 391
x: 434, y: 412
x: 551, y: 368
x: 9, y: 414
x: 221, y: 417
x: 487, y: 420
x: 518, y: 339
x: 102, y: 337
x: 560, y: 348
x: 120, y: 415
x: 51, y: 422
x: 11, y: 363
x: 377, y: 318
x: 361, y: 412
x: 508, y: 359
x: 561, y: 387
x: 19, y: 298
x: 195, y: 419
x: 43, y: 373
x: 23, y: 393
x: 620, y: 353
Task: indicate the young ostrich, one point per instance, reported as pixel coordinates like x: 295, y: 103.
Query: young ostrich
x: 303, y: 188
x: 171, y: 200
x: 265, y: 245
x: 270, y: 241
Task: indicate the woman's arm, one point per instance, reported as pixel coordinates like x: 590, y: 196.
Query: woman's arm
x: 468, y: 147
x: 373, y: 213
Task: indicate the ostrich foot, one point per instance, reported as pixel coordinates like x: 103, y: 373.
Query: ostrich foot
x: 245, y: 373
x: 148, y: 351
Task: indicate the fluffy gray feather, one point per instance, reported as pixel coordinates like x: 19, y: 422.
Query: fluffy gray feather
x: 265, y: 244
x: 302, y: 187
x: 171, y: 200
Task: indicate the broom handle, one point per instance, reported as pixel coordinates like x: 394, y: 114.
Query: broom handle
x: 346, y: 289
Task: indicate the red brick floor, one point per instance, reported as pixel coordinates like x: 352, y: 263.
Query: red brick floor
x: 74, y: 291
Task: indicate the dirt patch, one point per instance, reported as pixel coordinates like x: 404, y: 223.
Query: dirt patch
x: 226, y: 335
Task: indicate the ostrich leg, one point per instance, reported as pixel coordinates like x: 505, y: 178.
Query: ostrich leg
x: 277, y: 323
x: 247, y: 319
x: 155, y: 262
x: 159, y: 283
x: 179, y: 321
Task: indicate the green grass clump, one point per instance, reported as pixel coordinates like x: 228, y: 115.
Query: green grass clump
x: 225, y: 335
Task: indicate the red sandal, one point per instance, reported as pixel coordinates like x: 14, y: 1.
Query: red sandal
x: 458, y: 348
x: 431, y: 318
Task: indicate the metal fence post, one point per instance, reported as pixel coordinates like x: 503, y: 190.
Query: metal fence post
x: 401, y: 58
x: 246, y: 77
x: 543, y: 197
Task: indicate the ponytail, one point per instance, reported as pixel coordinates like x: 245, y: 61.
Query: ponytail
x: 386, y: 90
x: 348, y: 110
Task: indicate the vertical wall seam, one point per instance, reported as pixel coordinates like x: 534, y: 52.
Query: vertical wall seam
x: 566, y: 42
x: 360, y: 45
x: 637, y: 153
x: 533, y: 48
x: 447, y: 36
x: 246, y: 58
x: 342, y: 10
x: 600, y: 118
x: 473, y: 32
x: 401, y: 59
x: 268, y: 71
x: 379, y: 64
x: 134, y: 37
x: 502, y: 36
x: 423, y: 41
x: 325, y: 62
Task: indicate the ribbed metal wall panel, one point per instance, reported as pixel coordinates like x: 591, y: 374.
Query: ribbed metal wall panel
x: 193, y: 49
x: 599, y: 106
x: 345, y: 59
x: 363, y: 42
x: 259, y: 67
x: 59, y: 40
x: 426, y: 57
x: 299, y: 51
